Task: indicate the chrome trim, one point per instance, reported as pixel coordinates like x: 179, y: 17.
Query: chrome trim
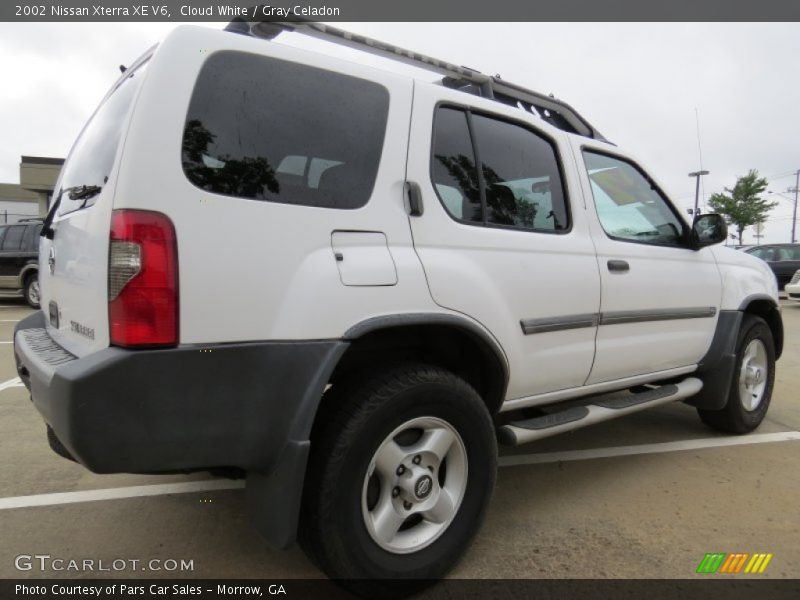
x: 531, y: 326
x: 667, y: 314
x: 597, y: 413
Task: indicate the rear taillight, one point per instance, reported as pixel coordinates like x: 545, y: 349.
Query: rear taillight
x: 142, y: 279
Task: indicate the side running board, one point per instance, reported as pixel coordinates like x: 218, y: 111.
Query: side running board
x: 602, y: 408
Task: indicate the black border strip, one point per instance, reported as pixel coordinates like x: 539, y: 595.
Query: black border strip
x: 563, y: 323
x: 669, y: 314
x: 531, y: 326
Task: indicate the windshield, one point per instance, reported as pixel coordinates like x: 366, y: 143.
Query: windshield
x: 92, y: 157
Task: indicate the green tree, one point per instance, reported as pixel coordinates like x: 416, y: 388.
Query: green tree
x: 743, y: 205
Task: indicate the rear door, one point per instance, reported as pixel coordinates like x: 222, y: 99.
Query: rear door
x: 503, y: 237
x: 660, y: 299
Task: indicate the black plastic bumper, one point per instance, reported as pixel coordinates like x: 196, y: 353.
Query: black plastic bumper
x: 191, y: 407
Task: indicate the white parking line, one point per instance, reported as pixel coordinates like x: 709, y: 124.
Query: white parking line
x: 550, y: 457
x: 16, y: 382
x: 6, y: 342
x: 10, y: 320
x: 504, y: 461
x: 119, y: 493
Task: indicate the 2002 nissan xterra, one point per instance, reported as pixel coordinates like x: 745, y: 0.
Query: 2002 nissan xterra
x: 350, y: 284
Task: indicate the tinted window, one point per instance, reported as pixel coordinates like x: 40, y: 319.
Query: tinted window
x: 521, y: 176
x: 628, y: 204
x: 13, y: 238
x: 454, y: 173
x: 267, y: 129
x: 30, y: 241
x: 787, y: 253
x: 92, y: 157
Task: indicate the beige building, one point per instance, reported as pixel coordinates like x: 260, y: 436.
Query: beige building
x: 31, y: 196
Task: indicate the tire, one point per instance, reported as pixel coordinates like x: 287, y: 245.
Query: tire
x: 31, y: 290
x: 751, y: 387
x: 405, y: 409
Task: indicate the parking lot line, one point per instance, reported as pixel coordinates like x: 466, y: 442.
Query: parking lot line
x: 119, y: 493
x: 208, y: 485
x: 698, y: 444
x: 15, y: 382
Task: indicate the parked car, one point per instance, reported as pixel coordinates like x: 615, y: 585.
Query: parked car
x: 19, y: 259
x: 783, y: 259
x: 420, y: 262
x: 793, y: 287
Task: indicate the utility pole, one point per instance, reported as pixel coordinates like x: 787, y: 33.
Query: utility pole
x: 698, y: 175
x: 796, y: 190
x: 759, y: 232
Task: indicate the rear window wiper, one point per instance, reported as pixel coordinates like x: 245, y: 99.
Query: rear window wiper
x: 77, y: 192
x: 83, y: 192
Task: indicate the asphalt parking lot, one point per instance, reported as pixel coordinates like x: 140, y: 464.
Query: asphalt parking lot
x: 671, y: 491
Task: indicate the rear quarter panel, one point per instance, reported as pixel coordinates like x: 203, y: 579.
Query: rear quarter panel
x: 254, y: 270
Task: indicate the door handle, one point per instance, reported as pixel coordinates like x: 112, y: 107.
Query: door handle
x: 414, y: 199
x: 618, y: 266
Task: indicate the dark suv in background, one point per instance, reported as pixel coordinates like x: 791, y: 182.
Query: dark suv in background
x: 19, y: 259
x: 783, y: 259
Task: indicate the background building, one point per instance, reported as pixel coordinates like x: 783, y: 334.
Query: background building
x: 31, y: 196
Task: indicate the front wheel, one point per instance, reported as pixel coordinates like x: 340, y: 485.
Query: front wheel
x: 31, y: 291
x: 753, y: 379
x: 399, y: 479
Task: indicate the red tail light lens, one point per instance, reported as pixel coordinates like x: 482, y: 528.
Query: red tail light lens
x: 142, y: 279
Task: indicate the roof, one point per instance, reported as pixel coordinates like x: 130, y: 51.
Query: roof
x: 550, y: 109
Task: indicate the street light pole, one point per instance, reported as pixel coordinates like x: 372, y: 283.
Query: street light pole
x: 698, y: 175
x: 796, y: 190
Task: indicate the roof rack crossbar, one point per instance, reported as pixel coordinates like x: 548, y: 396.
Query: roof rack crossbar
x: 488, y: 85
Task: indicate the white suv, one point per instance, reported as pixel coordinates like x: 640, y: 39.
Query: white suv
x: 418, y: 270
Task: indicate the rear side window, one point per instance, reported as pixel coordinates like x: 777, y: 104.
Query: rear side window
x: 788, y: 253
x: 30, y: 242
x: 513, y: 182
x: 521, y: 175
x: 13, y: 238
x: 266, y: 129
x: 454, y: 169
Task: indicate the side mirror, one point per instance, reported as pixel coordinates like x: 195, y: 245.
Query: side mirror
x: 708, y: 230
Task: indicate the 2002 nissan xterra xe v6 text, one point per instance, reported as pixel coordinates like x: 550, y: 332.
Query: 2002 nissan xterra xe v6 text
x: 350, y: 284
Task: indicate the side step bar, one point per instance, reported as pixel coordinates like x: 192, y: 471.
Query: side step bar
x: 602, y: 408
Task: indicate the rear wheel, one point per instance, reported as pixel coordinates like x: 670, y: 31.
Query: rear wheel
x: 31, y: 290
x: 399, y: 479
x: 753, y: 379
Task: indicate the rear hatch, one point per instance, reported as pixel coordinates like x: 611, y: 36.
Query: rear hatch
x: 73, y: 254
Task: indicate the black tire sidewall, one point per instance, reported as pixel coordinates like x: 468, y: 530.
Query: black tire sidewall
x: 26, y: 290
x: 465, y: 412
x: 746, y: 420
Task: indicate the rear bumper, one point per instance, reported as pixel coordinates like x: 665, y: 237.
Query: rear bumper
x: 192, y: 407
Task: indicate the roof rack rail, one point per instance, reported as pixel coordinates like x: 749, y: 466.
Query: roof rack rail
x: 554, y: 111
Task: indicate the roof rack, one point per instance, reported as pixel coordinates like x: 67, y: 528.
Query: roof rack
x: 554, y: 111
